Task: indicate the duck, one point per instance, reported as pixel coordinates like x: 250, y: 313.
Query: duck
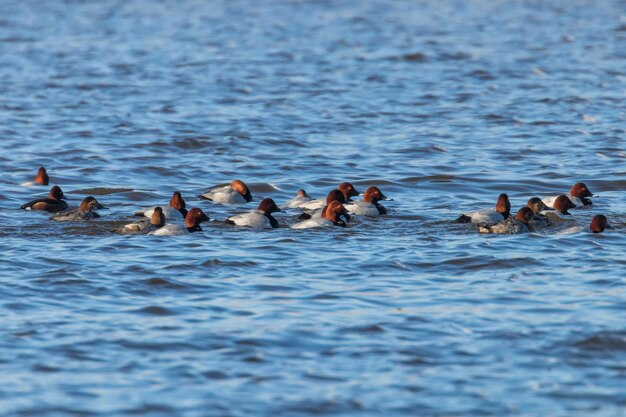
x: 599, y: 223
x: 489, y: 216
x: 561, y: 206
x: 345, y: 188
x: 86, y: 211
x: 369, y: 206
x: 259, y: 219
x: 144, y: 226
x: 579, y: 196
x: 235, y: 193
x: 40, y: 179
x: 301, y: 198
x: 538, y: 207
x: 313, y: 206
x: 194, y: 217
x: 331, y: 217
x: 333, y: 195
x: 176, y: 211
x: 53, y: 203
x: 511, y: 226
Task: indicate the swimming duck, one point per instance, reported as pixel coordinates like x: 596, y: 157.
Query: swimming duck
x: 346, y: 189
x: 331, y: 217
x: 194, y: 217
x: 518, y: 224
x: 561, y: 206
x: 599, y: 223
x: 53, y: 203
x: 41, y: 178
x: 176, y: 211
x: 86, y: 211
x: 235, y: 193
x: 314, y: 207
x: 538, y: 207
x: 333, y: 195
x: 259, y: 219
x: 301, y: 198
x: 579, y: 196
x: 488, y: 216
x: 144, y: 226
x: 369, y: 206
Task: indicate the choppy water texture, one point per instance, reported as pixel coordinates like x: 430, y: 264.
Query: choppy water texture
x: 443, y: 105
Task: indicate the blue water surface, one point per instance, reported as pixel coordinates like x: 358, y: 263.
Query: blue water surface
x: 442, y: 104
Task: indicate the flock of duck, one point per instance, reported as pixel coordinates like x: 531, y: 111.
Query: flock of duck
x: 334, y: 210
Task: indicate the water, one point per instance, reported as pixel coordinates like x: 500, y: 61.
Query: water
x: 443, y: 105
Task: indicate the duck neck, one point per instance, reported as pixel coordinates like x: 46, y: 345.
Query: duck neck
x: 195, y: 228
x: 273, y: 221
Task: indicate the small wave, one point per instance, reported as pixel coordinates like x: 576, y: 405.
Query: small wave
x: 155, y: 311
x: 411, y: 57
x: 100, y: 191
x: 606, y: 341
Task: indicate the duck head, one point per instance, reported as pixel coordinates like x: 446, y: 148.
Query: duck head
x: 581, y: 191
x: 90, y: 204
x: 42, y: 177
x: 563, y: 204
x: 158, y: 218
x: 503, y: 206
x: 334, y: 210
x: 194, y: 217
x: 373, y: 195
x: 524, y: 215
x: 599, y: 223
x: 348, y: 190
x: 56, y: 193
x: 536, y: 205
x: 267, y: 206
x: 242, y: 189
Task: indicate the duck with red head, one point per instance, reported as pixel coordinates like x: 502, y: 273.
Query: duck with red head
x: 521, y: 223
x: 313, y: 207
x: 334, y: 195
x: 194, y: 217
x: 40, y: 179
x: 235, y: 193
x: 144, y: 226
x: 301, y: 198
x: 370, y: 205
x: 177, y: 209
x: 332, y: 217
x: 579, y: 196
x: 348, y: 190
x: 86, y: 211
x: 599, y: 224
x: 52, y: 204
x: 259, y: 219
x: 488, y: 216
x: 552, y: 216
x: 563, y: 204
